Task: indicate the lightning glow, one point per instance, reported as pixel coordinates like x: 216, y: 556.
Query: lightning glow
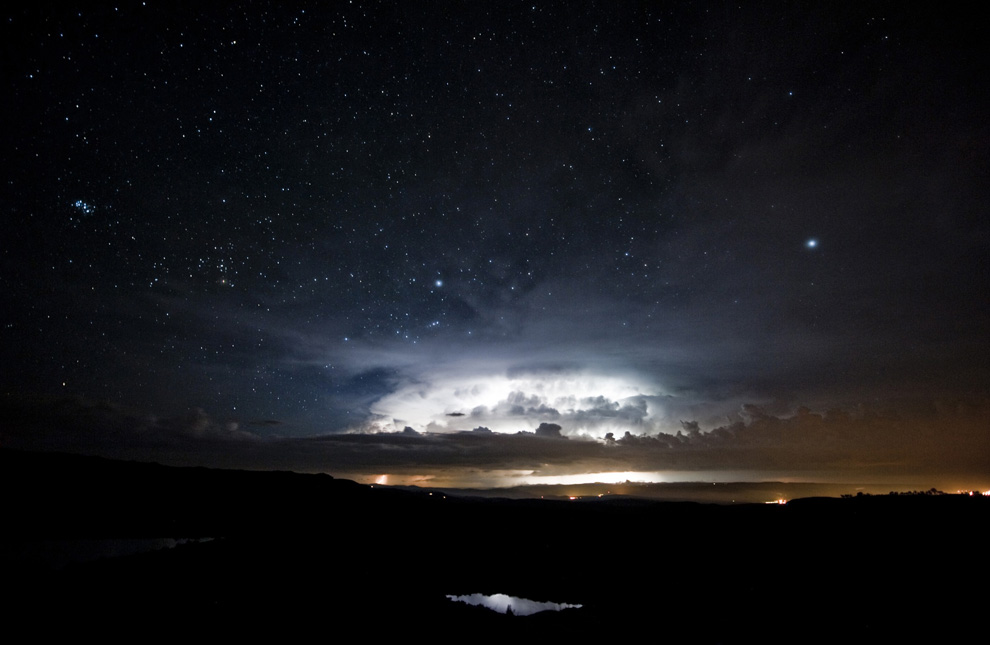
x: 582, y: 403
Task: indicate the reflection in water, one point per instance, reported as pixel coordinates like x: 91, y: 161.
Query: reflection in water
x: 520, y: 606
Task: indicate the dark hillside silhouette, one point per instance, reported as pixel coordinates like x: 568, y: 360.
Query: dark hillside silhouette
x: 291, y: 553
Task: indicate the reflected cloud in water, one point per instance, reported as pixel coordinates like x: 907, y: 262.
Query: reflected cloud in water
x: 520, y: 606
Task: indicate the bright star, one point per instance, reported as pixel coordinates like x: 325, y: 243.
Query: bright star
x: 812, y: 243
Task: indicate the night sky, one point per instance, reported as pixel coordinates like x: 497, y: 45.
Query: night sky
x: 482, y: 242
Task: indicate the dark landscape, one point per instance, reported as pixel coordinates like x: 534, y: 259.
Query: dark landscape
x: 293, y: 554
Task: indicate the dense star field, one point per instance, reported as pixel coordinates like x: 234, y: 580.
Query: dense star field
x: 491, y: 242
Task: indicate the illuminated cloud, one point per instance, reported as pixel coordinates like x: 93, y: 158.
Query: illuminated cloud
x: 943, y: 443
x: 581, y: 402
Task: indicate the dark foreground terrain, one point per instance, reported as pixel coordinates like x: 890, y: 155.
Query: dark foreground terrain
x: 309, y: 556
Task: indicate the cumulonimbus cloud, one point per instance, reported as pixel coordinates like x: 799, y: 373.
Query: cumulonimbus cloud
x: 943, y: 440
x: 581, y: 402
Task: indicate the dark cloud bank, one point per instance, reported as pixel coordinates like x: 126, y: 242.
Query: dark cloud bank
x: 941, y: 444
